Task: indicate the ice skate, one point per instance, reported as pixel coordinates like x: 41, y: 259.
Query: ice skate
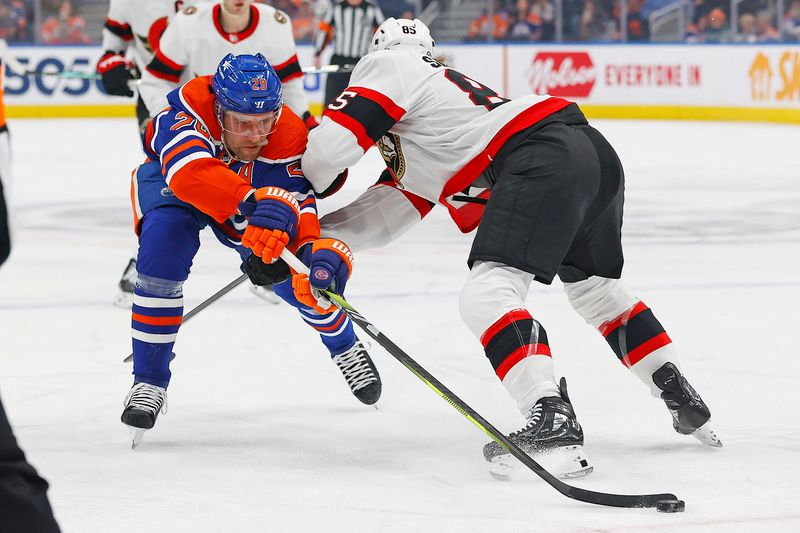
x: 360, y: 373
x: 265, y: 293
x: 690, y: 415
x: 124, y: 297
x: 552, y: 437
x: 142, y: 405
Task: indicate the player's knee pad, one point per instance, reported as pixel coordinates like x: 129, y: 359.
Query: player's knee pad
x: 166, y: 288
x: 491, y: 291
x: 598, y: 299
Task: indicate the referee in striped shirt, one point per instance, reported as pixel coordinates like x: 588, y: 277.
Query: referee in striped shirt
x: 349, y: 24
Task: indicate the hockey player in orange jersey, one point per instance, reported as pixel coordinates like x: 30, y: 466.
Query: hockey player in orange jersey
x: 225, y: 154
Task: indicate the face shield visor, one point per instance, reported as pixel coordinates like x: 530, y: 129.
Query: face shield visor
x: 248, y: 126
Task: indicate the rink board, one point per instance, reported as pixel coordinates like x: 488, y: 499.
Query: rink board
x: 696, y: 82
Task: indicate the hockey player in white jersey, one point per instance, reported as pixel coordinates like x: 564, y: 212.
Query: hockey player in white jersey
x: 199, y: 36
x: 545, y: 192
x: 131, y: 34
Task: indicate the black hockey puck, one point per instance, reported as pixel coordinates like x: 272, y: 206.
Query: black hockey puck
x: 670, y: 506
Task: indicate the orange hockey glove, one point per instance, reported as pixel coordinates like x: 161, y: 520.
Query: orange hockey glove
x: 272, y: 221
x: 330, y: 263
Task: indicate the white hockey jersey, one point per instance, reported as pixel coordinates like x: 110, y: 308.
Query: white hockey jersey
x: 437, y: 130
x: 135, y: 26
x: 194, y: 43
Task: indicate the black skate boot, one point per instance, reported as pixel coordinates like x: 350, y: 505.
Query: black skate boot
x: 552, y: 436
x: 142, y: 405
x: 360, y: 373
x: 126, y: 285
x: 690, y: 415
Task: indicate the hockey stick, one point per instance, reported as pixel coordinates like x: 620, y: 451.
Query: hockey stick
x: 576, y: 493
x: 210, y: 300
x: 74, y: 74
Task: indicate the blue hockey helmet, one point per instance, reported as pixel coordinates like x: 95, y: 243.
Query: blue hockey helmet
x: 247, y: 84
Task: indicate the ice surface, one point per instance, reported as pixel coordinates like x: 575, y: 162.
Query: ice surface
x: 262, y: 432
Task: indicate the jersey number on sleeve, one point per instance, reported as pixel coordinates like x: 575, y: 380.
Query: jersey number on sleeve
x: 479, y: 94
x: 341, y: 100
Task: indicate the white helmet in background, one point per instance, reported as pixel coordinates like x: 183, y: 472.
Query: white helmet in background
x: 394, y: 33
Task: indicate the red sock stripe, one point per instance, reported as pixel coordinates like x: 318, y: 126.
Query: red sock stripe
x: 505, y: 320
x: 332, y: 327
x: 157, y: 320
x: 643, y: 350
x: 519, y: 354
x: 607, y: 327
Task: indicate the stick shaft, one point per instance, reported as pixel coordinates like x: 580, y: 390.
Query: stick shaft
x: 587, y: 496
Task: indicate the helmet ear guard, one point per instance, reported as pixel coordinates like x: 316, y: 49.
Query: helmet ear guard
x: 395, y: 33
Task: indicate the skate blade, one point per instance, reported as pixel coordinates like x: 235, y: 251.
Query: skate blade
x: 707, y: 436
x: 136, y: 435
x: 123, y: 299
x: 564, y: 463
x: 265, y: 294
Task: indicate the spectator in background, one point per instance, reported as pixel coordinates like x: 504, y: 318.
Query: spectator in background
x: 594, y: 22
x: 7, y: 26
x: 20, y: 16
x: 638, y: 26
x: 765, y: 31
x: 715, y: 27
x: 479, y: 28
x: 546, y: 11
x: 747, y: 29
x: 791, y: 22
x: 65, y: 27
x: 523, y: 24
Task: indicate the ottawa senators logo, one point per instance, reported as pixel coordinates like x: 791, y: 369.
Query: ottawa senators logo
x: 392, y: 153
x: 280, y: 16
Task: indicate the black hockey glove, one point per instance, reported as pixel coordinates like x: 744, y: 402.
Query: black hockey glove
x: 261, y: 274
x: 115, y: 72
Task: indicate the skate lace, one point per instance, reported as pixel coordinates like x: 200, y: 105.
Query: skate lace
x: 534, y: 415
x: 147, y: 398
x: 354, y: 367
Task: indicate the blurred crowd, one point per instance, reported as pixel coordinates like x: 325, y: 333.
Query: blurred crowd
x: 511, y: 20
x: 15, y: 16
x: 602, y: 21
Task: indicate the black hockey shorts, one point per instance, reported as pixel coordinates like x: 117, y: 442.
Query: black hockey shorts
x: 556, y: 205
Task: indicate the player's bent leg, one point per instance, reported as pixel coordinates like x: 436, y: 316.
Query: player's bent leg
x: 350, y: 355
x: 492, y: 304
x: 168, y: 243
x: 640, y: 343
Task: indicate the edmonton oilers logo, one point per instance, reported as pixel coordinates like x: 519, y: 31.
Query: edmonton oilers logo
x: 166, y: 191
